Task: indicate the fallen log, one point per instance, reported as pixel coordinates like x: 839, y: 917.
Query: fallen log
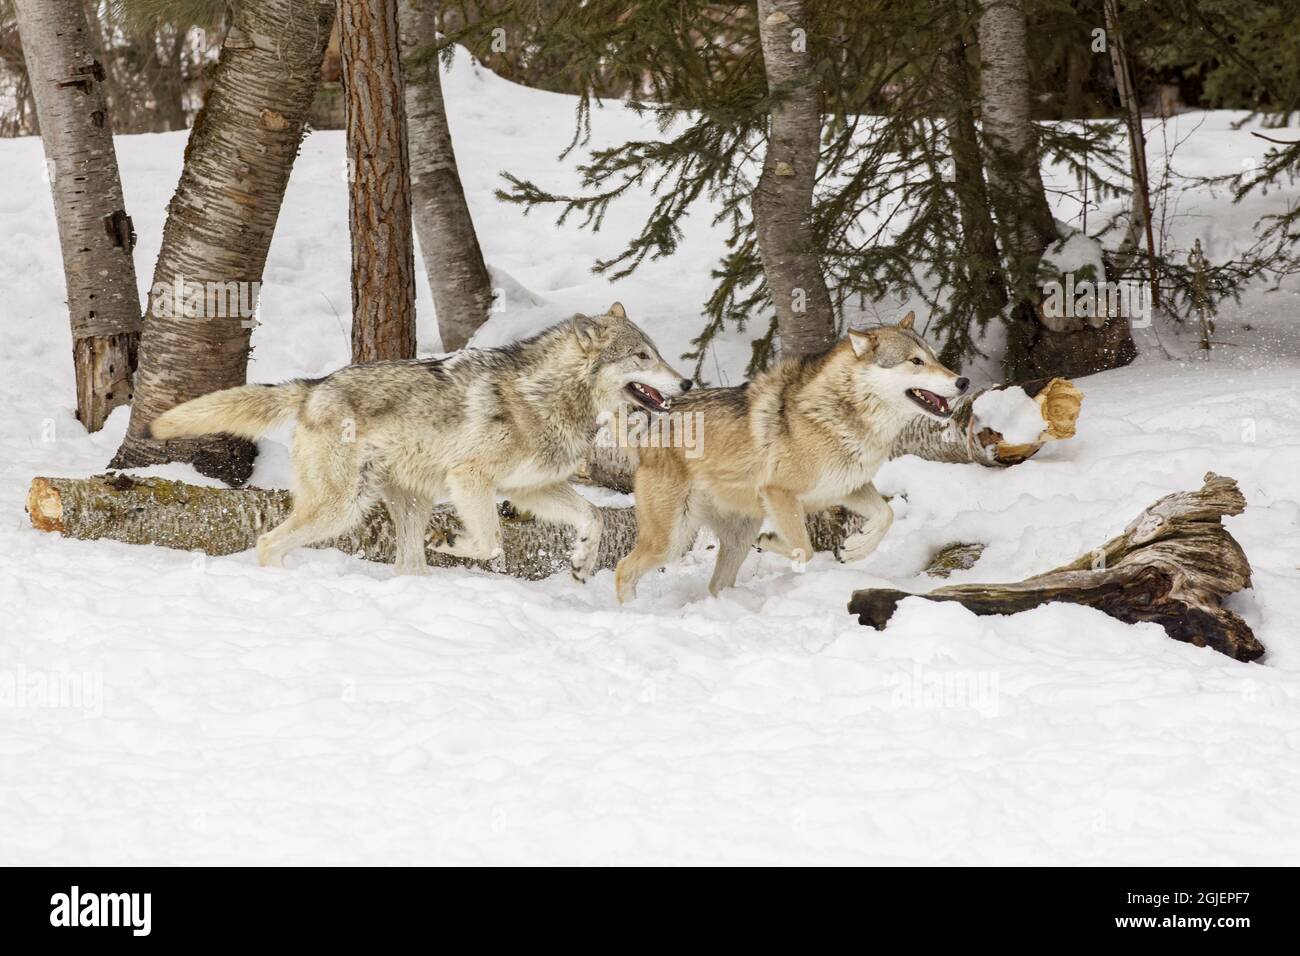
x: 964, y: 438
x: 220, y: 521
x: 1173, y: 565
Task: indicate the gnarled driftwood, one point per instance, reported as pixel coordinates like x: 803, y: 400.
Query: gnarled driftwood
x: 1172, y: 565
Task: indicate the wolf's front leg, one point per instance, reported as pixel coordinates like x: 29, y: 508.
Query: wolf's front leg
x: 561, y: 503
x: 410, y: 513
x: 474, y: 499
x: 786, y: 514
x: 877, y: 517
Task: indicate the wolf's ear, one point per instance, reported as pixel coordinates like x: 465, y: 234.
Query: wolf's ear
x: 908, y: 321
x: 588, y: 332
x: 864, y: 343
x: 617, y: 311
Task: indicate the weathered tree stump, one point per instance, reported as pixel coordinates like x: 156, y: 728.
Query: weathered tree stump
x: 220, y: 521
x: 1172, y: 565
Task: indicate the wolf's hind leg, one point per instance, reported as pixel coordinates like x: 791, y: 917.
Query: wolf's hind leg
x: 791, y: 535
x: 664, y: 520
x: 735, y: 538
x: 315, y: 520
x: 473, y: 497
x: 332, y: 493
x: 561, y: 503
x: 410, y: 513
x: 877, y: 519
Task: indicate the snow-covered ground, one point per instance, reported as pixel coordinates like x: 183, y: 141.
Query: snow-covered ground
x: 212, y: 711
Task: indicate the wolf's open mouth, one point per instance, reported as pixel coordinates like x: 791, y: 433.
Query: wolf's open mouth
x: 932, y: 403
x: 648, y: 397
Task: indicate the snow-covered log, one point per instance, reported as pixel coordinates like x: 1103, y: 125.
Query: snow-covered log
x: 965, y: 438
x: 1173, y: 565
x: 219, y: 521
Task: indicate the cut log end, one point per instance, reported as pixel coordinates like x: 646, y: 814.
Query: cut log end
x: 45, y: 506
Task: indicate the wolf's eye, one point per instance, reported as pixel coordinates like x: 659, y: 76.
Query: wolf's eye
x: 643, y: 356
x: 917, y: 361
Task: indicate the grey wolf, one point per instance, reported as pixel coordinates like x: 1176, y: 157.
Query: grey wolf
x: 516, y: 420
x: 802, y: 436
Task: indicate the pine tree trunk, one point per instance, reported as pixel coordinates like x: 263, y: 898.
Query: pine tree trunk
x: 979, y: 235
x: 379, y: 195
x: 783, y: 199
x: 462, y: 290
x: 1015, y: 181
x: 169, y: 83
x: 220, y: 222
x: 95, y: 232
x: 1139, y: 225
x: 1038, y: 344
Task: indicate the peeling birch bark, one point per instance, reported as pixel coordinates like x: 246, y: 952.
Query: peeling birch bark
x: 95, y: 233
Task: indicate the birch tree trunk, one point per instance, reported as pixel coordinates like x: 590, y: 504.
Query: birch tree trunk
x: 453, y: 261
x: 1011, y: 142
x: 221, y: 521
x: 95, y: 233
x: 219, y: 227
x: 379, y: 194
x: 783, y: 199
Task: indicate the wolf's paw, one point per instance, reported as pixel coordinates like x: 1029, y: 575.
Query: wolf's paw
x: 443, y: 539
x: 771, y: 541
x: 414, y: 570
x: 585, y: 556
x: 512, y: 515
x: 857, y: 546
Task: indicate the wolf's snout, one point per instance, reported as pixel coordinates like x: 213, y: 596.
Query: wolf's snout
x: 962, y: 385
x: 686, y: 385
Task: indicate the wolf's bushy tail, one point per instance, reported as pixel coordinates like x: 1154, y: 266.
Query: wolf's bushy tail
x: 248, y: 411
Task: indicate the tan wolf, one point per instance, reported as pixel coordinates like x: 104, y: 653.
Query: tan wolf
x: 804, y: 435
x: 515, y: 420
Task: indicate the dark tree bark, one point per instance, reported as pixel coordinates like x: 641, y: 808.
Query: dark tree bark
x: 1173, y: 565
x: 379, y: 197
x: 1139, y: 225
x: 979, y: 235
x: 453, y: 261
x: 95, y: 233
x: 220, y: 222
x: 1038, y: 344
x: 783, y: 199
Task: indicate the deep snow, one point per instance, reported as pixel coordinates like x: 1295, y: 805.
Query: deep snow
x: 213, y: 711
